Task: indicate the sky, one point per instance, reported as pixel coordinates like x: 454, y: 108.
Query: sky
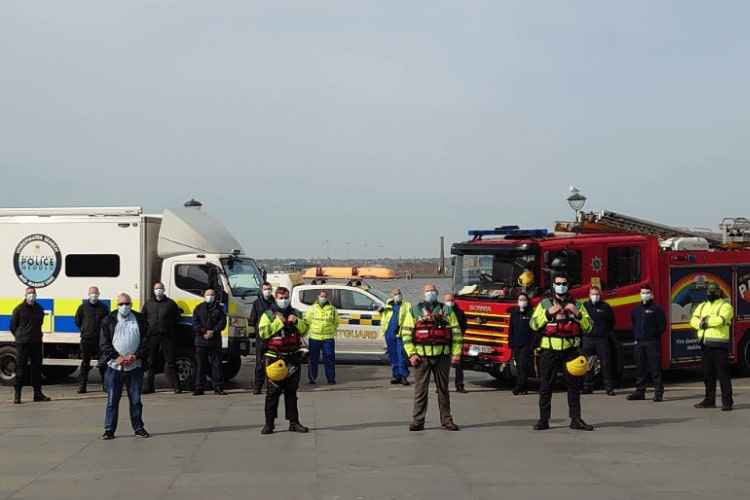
x: 369, y: 129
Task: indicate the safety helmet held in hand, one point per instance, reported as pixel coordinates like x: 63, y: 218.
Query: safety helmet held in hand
x: 577, y: 366
x: 526, y: 278
x: 277, y: 371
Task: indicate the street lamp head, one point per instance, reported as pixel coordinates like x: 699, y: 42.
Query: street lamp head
x: 576, y: 200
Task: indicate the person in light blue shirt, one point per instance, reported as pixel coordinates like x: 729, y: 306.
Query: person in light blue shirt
x: 122, y: 344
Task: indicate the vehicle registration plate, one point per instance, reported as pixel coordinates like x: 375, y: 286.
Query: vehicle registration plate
x: 476, y: 350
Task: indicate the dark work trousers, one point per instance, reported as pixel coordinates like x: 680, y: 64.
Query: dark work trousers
x: 89, y: 351
x: 716, y: 366
x: 205, y: 357
x: 459, y: 371
x: 288, y: 388
x: 29, y: 354
x: 599, y: 347
x: 168, y: 347
x: 550, y: 363
x: 440, y: 367
x: 648, y: 355
x: 522, y: 357
x: 260, y: 363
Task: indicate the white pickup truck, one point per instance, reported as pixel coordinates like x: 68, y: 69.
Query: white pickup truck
x: 359, y: 312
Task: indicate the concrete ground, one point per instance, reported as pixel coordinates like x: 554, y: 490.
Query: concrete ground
x: 210, y: 447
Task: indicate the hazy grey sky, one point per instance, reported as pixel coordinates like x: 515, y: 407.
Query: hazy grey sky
x: 385, y: 122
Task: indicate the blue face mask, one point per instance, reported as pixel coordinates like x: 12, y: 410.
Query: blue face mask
x: 322, y: 301
x: 430, y: 297
x: 282, y: 303
x: 124, y: 309
x: 210, y: 299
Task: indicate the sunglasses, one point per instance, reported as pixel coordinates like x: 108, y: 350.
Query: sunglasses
x: 124, y: 304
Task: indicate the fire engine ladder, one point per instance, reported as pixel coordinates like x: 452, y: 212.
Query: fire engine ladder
x: 613, y: 221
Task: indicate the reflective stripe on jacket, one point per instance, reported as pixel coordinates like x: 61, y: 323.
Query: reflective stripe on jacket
x: 404, y: 311
x: 454, y: 349
x: 718, y: 315
x: 322, y: 321
x: 539, y: 320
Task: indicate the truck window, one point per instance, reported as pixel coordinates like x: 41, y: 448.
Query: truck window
x: 309, y: 297
x: 567, y: 261
x: 193, y: 278
x: 92, y: 265
x: 623, y: 266
x: 356, y: 301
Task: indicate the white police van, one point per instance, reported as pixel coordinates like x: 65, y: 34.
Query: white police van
x: 359, y: 309
x: 63, y: 251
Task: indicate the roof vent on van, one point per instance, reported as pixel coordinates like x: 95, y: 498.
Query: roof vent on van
x: 685, y: 243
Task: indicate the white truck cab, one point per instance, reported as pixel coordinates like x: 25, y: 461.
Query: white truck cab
x: 63, y: 251
x: 359, y: 314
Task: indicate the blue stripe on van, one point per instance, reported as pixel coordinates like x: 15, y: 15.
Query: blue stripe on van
x: 5, y: 322
x: 65, y: 324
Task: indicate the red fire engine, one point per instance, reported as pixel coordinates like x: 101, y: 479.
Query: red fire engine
x: 617, y: 253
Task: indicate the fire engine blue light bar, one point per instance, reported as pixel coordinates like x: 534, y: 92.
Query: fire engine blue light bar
x: 509, y: 231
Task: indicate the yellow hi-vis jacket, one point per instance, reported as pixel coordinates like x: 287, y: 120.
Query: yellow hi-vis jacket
x: 718, y: 315
x: 323, y: 321
x: 404, y: 311
x: 407, y: 333
x: 270, y: 325
x: 539, y: 320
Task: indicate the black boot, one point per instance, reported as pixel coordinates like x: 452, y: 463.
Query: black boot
x: 541, y: 425
x: 460, y: 388
x: 82, y: 388
x: 39, y: 396
x: 17, y: 396
x: 297, y: 427
x: 267, y: 429
x: 577, y: 424
x: 706, y: 403
x: 636, y: 396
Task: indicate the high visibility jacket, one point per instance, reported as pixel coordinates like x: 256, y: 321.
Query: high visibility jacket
x: 718, y: 315
x: 540, y: 319
x: 323, y: 321
x: 407, y: 335
x: 271, y: 325
x: 404, y: 310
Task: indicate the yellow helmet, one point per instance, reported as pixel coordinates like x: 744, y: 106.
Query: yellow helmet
x: 577, y: 366
x: 526, y: 278
x: 277, y: 371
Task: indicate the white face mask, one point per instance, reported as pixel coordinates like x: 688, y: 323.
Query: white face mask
x: 267, y: 293
x: 30, y: 298
x: 595, y: 298
x: 209, y: 299
x: 449, y: 304
x: 646, y: 296
x: 397, y: 299
x: 561, y: 289
x: 523, y: 304
x: 282, y: 303
x: 430, y: 297
x: 93, y: 298
x: 158, y: 293
x: 323, y: 300
x: 124, y: 309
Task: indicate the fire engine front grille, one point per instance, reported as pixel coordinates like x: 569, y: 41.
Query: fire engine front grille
x: 485, y: 328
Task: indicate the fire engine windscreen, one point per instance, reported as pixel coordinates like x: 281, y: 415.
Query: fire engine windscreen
x: 494, y: 275
x: 243, y: 276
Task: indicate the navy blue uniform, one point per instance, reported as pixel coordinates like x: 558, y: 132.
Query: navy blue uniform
x: 649, y: 323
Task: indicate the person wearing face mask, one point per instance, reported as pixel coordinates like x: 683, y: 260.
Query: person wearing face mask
x: 162, y: 315
x: 712, y: 321
x: 282, y: 327
x: 432, y: 340
x: 596, y: 342
x: 209, y: 321
x: 649, y: 323
x: 88, y: 318
x: 450, y: 303
x: 560, y: 321
x: 260, y: 306
x: 393, y: 318
x: 522, y: 342
x: 26, y: 327
x: 323, y: 321
x: 122, y: 347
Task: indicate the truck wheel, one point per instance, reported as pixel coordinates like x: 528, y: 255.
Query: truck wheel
x: 231, y: 367
x: 185, y: 371
x: 8, y: 365
x: 57, y: 373
x: 743, y: 356
x: 504, y: 376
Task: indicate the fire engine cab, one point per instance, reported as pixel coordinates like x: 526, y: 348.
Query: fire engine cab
x: 619, y: 254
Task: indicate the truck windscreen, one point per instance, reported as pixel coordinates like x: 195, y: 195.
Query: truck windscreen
x: 496, y: 275
x: 243, y: 276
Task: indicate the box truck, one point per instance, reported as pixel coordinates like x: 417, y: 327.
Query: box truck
x: 63, y: 251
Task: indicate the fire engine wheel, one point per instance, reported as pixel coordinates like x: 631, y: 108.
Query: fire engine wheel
x: 57, y: 373
x: 7, y: 365
x: 504, y: 376
x: 743, y: 356
x: 231, y: 367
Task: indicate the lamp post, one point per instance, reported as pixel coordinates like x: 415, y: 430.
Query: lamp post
x: 576, y: 201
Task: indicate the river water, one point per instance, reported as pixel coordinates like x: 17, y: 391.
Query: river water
x: 412, y: 289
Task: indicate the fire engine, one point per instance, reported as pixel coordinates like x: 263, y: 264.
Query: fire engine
x: 619, y: 254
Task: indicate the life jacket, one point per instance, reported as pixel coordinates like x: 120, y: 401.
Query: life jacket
x: 565, y: 327
x: 432, y: 329
x: 287, y: 339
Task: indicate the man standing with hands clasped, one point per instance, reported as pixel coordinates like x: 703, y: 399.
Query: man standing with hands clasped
x: 432, y: 340
x: 209, y: 320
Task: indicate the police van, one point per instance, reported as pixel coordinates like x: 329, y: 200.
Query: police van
x: 63, y: 251
x: 359, y: 309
